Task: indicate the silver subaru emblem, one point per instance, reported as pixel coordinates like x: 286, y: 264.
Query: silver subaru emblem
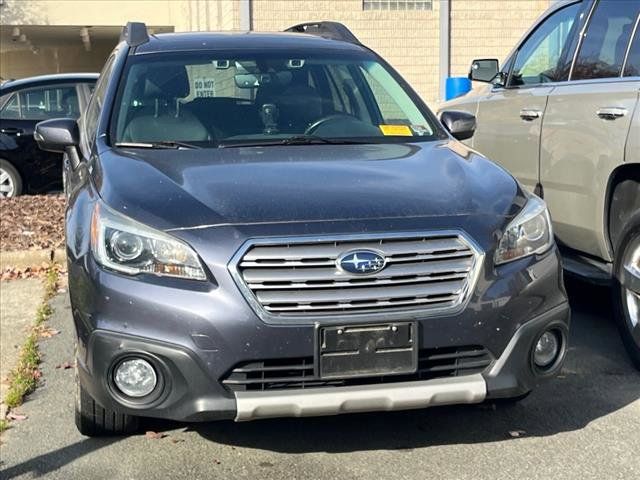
x: 361, y: 262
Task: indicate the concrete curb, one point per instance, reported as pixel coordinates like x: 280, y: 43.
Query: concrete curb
x: 31, y: 258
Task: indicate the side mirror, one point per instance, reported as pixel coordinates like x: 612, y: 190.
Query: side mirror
x: 484, y: 70
x: 461, y: 125
x: 57, y: 135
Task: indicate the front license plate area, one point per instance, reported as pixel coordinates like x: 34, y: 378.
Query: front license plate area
x: 367, y: 350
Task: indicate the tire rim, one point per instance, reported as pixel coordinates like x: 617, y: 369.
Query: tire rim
x: 7, y: 188
x: 632, y: 283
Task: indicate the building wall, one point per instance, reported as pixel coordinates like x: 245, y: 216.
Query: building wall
x: 184, y: 15
x: 68, y: 54
x: 59, y: 59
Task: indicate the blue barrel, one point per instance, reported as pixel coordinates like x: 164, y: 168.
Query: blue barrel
x: 456, y: 86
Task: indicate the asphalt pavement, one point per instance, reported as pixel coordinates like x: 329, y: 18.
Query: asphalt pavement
x: 583, y: 425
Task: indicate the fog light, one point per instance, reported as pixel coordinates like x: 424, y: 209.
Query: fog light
x: 135, y: 377
x: 547, y: 349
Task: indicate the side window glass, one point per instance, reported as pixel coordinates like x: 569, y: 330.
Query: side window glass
x: 11, y: 110
x: 537, y: 59
x: 43, y: 103
x: 605, y: 43
x: 92, y: 114
x: 632, y: 67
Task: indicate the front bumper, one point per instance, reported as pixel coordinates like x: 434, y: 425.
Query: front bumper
x: 190, y: 395
x: 196, y: 333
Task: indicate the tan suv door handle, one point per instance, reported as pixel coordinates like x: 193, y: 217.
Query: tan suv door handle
x: 611, y: 113
x: 529, y: 115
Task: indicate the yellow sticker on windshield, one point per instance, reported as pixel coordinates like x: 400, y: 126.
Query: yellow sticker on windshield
x: 396, y: 130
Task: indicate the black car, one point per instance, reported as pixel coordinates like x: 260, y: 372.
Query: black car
x: 264, y: 225
x: 24, y: 168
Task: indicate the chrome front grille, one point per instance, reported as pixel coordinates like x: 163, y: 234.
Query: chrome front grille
x: 301, y: 278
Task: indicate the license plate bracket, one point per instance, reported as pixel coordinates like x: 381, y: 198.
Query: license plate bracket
x: 349, y: 351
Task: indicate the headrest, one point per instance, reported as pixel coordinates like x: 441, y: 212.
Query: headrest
x: 168, y: 81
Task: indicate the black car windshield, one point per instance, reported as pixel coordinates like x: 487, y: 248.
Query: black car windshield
x: 284, y: 97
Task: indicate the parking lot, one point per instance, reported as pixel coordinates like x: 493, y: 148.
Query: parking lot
x: 583, y: 425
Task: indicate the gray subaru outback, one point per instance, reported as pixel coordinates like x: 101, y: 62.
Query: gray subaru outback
x: 270, y: 225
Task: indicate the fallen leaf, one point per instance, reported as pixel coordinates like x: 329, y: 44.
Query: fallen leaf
x: 16, y: 416
x: 65, y: 365
x: 49, y: 332
x: 155, y: 435
x: 177, y: 440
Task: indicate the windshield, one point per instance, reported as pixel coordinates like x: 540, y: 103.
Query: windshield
x: 207, y: 100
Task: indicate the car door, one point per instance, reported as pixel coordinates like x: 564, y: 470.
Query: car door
x: 510, y: 116
x: 586, y: 125
x: 18, y: 118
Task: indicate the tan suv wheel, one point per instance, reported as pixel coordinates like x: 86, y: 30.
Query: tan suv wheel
x: 626, y: 291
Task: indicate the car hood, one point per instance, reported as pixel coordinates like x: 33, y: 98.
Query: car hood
x: 182, y: 189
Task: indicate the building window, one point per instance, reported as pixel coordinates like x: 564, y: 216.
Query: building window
x: 397, y: 4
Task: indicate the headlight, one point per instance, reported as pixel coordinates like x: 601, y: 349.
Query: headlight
x: 124, y: 245
x: 528, y: 234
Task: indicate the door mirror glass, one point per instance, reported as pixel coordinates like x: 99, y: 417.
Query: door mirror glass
x: 57, y: 135
x: 461, y: 125
x: 484, y: 70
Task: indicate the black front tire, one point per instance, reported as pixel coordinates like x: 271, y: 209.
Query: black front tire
x: 93, y: 420
x: 629, y: 243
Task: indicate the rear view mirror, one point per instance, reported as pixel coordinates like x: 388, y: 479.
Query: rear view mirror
x: 461, y: 125
x: 484, y: 70
x: 254, y: 80
x: 247, y: 80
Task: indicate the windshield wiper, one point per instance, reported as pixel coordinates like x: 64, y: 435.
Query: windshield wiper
x: 295, y: 140
x: 307, y: 140
x: 162, y: 144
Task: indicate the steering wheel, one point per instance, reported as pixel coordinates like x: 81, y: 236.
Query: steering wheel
x: 327, y: 119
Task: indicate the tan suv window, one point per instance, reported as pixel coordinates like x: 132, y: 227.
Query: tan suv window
x: 605, y: 43
x: 537, y: 59
x: 632, y: 67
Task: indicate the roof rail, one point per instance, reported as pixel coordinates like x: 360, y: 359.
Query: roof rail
x: 331, y: 30
x: 134, y: 33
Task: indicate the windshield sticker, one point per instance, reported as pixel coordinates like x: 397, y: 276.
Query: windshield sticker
x: 421, y: 130
x: 396, y: 130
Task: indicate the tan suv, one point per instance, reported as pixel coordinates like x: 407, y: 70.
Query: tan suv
x: 563, y: 115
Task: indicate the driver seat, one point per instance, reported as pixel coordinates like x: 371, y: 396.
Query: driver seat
x: 164, y: 117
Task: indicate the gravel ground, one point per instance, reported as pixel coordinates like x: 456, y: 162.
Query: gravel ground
x: 32, y: 222
x: 583, y: 425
